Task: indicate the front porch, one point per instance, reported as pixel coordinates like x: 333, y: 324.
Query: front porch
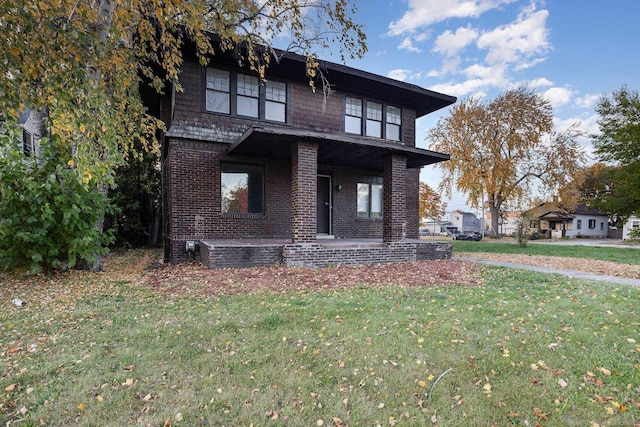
x: 241, y: 253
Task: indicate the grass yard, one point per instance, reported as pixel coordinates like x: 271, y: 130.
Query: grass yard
x: 520, y: 349
x: 618, y: 254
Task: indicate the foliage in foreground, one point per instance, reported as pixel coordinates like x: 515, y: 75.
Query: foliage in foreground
x: 47, y: 217
x: 524, y: 349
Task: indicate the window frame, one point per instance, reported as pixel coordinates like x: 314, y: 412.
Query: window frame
x: 234, y: 95
x: 255, y: 196
x: 391, y: 116
x: 374, y: 187
x: 592, y: 224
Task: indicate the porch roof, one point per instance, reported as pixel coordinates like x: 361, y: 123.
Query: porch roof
x: 333, y: 148
x: 556, y: 215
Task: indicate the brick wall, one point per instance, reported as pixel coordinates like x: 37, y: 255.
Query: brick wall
x: 217, y: 256
x: 394, y: 199
x: 304, y: 192
x: 316, y: 255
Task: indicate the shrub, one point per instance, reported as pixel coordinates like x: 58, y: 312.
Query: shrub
x: 47, y: 214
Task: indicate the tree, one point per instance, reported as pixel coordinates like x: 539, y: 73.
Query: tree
x: 617, y: 189
x: 431, y: 205
x: 619, y: 124
x: 79, y: 65
x: 502, y: 148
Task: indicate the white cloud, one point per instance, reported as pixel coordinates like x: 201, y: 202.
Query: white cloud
x: 423, y: 13
x: 459, y: 89
x: 587, y: 101
x: 398, y: 74
x: 539, y: 82
x: 522, y: 42
x: 558, y: 96
x: 407, y: 44
x: 451, y: 43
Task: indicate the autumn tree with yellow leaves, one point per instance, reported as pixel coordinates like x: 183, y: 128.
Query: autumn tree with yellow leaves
x: 431, y: 204
x: 78, y: 66
x: 505, y: 149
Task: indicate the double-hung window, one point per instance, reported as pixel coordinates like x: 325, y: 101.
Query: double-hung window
x: 380, y: 120
x: 592, y: 223
x: 275, y: 104
x: 228, y: 92
x: 579, y: 224
x: 218, y: 91
x: 370, y: 198
x: 27, y: 143
x: 394, y: 122
x: 242, y: 188
x: 353, y: 116
x: 248, y: 90
x: 374, y: 119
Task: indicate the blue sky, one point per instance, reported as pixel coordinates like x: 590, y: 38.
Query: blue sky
x: 571, y: 51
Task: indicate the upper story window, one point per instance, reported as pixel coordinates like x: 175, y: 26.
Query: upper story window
x: 394, y: 122
x: 374, y: 119
x: 250, y: 98
x: 381, y: 121
x: 248, y: 91
x: 353, y: 116
x: 218, y: 96
x: 275, y: 104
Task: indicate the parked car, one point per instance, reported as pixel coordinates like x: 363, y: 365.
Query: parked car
x: 472, y: 235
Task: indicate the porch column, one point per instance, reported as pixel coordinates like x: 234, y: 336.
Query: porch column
x: 394, y: 207
x: 304, y: 189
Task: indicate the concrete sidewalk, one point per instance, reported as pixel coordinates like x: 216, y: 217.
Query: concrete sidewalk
x: 569, y: 273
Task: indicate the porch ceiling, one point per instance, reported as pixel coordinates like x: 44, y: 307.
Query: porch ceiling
x: 333, y: 149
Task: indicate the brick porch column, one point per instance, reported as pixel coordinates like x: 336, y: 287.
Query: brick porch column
x: 304, y: 192
x: 394, y: 214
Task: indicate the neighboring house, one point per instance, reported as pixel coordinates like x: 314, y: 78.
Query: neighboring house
x: 507, y: 223
x: 271, y: 172
x: 465, y: 221
x: 554, y: 221
x: 30, y: 143
x: 632, y: 223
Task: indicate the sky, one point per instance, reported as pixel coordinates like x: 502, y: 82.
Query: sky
x: 571, y: 51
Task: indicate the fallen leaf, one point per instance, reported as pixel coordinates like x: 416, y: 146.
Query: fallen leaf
x: 605, y: 371
x: 562, y: 383
x: 129, y: 368
x: 178, y: 417
x: 128, y: 382
x: 10, y: 387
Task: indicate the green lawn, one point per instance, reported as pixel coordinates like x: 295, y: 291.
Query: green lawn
x: 523, y: 349
x: 620, y: 255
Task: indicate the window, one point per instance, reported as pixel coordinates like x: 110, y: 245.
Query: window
x: 353, y: 116
x: 602, y: 226
x: 374, y: 119
x: 243, y: 95
x: 370, y: 199
x: 579, y: 224
x: 27, y: 143
x: 242, y: 188
x: 248, y: 91
x: 377, y: 114
x: 534, y: 223
x: 275, y: 101
x: 592, y: 223
x: 218, y: 91
x: 394, y: 121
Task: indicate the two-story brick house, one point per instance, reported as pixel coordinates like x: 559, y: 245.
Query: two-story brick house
x: 262, y: 172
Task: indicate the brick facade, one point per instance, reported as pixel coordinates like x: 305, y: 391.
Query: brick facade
x: 304, y: 192
x: 394, y: 201
x: 198, y: 142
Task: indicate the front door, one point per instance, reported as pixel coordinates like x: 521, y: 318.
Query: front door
x: 324, y: 204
